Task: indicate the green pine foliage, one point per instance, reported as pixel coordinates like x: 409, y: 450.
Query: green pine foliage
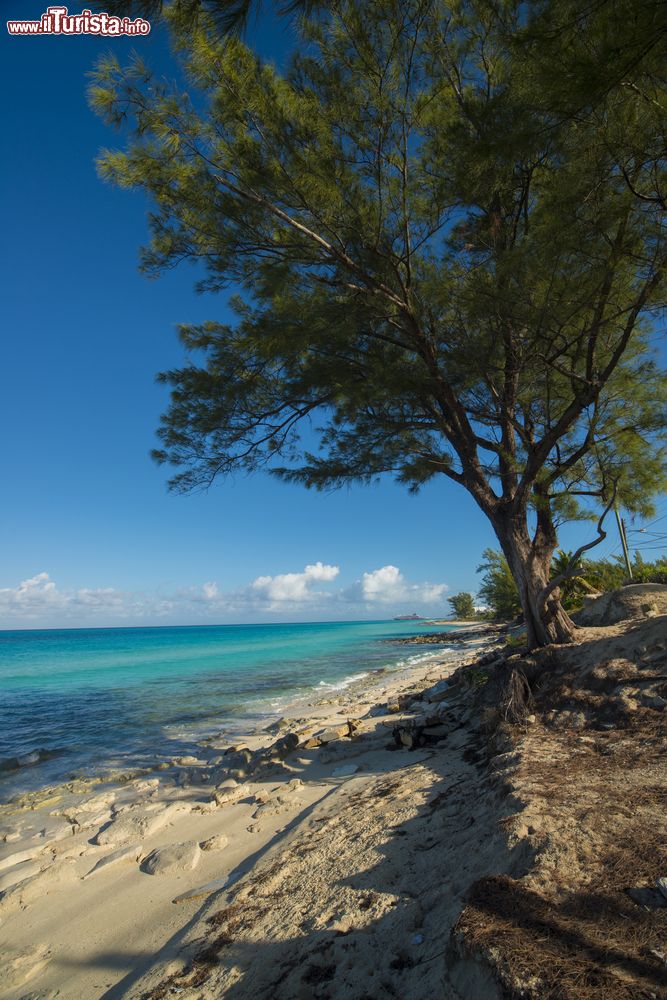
x: 443, y: 273
x: 225, y: 16
x: 463, y: 605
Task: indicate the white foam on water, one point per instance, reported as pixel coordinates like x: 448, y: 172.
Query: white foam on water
x: 256, y: 713
x: 417, y: 658
x: 345, y: 683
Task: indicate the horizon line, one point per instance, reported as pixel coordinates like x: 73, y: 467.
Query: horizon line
x: 109, y: 628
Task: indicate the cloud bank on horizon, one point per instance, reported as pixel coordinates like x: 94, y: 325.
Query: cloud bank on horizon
x: 39, y: 603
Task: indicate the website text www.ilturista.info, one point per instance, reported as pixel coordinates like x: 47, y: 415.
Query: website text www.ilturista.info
x: 58, y: 21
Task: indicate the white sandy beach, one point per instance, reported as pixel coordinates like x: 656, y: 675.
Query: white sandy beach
x: 81, y: 916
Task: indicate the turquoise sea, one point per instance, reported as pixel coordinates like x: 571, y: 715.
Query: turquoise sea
x: 86, y: 701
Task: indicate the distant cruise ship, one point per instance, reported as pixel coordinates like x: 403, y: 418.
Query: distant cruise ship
x: 414, y: 617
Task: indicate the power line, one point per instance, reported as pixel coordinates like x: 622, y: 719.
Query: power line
x: 650, y: 523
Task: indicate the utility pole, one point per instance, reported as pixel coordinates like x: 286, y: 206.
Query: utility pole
x: 624, y: 542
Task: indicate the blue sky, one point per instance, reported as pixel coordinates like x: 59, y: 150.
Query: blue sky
x: 89, y: 534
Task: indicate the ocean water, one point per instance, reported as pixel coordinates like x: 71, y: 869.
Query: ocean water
x: 78, y: 702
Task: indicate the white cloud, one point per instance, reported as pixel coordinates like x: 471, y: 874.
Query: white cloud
x: 38, y: 602
x: 387, y: 585
x: 36, y: 589
x: 384, y: 584
x: 39, y: 595
x: 294, y: 586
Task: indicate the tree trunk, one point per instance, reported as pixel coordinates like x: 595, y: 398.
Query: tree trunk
x: 530, y: 562
x: 545, y: 622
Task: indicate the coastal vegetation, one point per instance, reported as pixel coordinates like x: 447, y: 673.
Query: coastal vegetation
x: 500, y: 595
x: 449, y: 250
x: 463, y: 605
x: 498, y: 591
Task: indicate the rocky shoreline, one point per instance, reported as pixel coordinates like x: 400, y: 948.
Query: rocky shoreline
x: 464, y: 634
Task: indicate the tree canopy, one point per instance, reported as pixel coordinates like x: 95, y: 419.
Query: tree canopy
x: 224, y: 15
x: 463, y: 605
x: 442, y: 275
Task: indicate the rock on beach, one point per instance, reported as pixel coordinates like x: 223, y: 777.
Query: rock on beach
x: 137, y: 824
x: 173, y: 858
x: 131, y: 853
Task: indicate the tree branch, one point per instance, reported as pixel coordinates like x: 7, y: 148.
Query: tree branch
x: 567, y: 572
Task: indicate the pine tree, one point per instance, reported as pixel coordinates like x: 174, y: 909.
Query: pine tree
x: 463, y: 605
x: 440, y: 273
x: 226, y: 16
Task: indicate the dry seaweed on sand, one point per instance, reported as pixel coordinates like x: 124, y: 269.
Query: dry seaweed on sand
x: 590, y: 777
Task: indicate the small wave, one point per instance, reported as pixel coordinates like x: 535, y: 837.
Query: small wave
x: 345, y: 683
x: 417, y: 658
x: 29, y: 759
